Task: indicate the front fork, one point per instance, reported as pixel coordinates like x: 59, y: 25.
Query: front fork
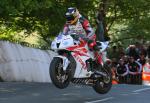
x: 99, y: 58
x: 65, y: 60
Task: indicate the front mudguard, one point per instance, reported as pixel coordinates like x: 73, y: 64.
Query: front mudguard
x: 65, y: 60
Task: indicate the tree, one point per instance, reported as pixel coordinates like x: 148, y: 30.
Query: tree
x: 122, y: 18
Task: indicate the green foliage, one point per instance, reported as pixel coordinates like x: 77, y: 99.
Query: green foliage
x: 130, y: 20
x: 32, y: 15
x: 124, y: 18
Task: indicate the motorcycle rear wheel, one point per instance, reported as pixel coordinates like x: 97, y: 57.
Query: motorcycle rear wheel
x: 102, y: 86
x: 59, y: 78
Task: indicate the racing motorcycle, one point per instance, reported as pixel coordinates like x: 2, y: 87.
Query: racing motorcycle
x: 76, y: 63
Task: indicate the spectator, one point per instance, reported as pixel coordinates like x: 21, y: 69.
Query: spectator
x: 134, y: 66
x: 113, y: 55
x: 142, y: 50
x: 121, y: 68
x: 135, y: 69
x: 142, y: 58
x: 122, y: 71
x: 132, y: 51
x: 125, y: 59
x: 100, y: 28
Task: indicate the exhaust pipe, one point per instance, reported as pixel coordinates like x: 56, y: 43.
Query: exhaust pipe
x: 97, y: 73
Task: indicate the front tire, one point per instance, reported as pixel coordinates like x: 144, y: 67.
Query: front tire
x: 104, y: 84
x: 59, y: 78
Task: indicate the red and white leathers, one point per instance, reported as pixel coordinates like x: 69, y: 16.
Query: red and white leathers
x: 82, y: 26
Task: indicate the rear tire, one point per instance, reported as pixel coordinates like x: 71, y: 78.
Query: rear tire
x: 102, y: 86
x: 57, y: 73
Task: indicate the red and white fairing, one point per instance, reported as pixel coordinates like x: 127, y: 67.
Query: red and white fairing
x: 79, y: 50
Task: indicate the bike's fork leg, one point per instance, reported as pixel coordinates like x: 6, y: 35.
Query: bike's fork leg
x: 98, y: 57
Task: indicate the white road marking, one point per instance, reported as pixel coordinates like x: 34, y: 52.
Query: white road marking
x: 125, y: 94
x: 101, y: 100
x: 140, y: 90
x: 66, y: 94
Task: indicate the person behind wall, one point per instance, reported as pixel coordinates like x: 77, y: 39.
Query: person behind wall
x: 100, y: 27
x: 122, y: 71
x: 101, y: 30
x: 113, y: 55
x: 135, y: 69
x: 132, y: 51
x: 142, y: 58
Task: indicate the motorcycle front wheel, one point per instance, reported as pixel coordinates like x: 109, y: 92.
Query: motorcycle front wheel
x: 104, y: 84
x: 59, y: 78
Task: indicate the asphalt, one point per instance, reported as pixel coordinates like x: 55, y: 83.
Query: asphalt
x: 22, y: 92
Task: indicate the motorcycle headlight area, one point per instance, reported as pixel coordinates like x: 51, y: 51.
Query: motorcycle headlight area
x: 65, y: 43
x: 53, y: 45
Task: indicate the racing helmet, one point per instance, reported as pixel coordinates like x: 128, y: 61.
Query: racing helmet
x: 72, y: 15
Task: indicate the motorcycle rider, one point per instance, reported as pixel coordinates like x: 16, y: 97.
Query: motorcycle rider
x: 78, y: 24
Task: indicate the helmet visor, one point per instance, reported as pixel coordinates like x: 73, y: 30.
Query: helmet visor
x: 70, y: 18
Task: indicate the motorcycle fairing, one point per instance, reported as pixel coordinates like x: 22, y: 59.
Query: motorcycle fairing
x: 81, y: 54
x: 62, y: 42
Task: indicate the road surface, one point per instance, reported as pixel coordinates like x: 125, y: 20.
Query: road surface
x: 19, y: 92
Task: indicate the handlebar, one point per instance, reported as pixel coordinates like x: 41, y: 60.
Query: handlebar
x: 80, y: 36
